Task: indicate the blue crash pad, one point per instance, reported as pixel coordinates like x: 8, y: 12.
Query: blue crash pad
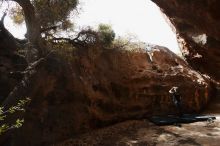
x: 186, y: 118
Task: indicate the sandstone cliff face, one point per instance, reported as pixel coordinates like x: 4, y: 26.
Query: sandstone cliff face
x: 103, y: 86
x: 197, y: 26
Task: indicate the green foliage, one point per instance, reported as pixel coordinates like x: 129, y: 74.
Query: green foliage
x: 129, y: 43
x: 50, y: 12
x: 12, y: 110
x: 106, y: 34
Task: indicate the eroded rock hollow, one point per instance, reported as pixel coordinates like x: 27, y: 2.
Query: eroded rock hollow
x: 196, y: 23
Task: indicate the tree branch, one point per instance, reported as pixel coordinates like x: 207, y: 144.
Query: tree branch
x: 14, y: 41
x: 3, y: 17
x: 8, y: 41
x: 49, y: 28
x: 74, y: 42
x: 23, y: 89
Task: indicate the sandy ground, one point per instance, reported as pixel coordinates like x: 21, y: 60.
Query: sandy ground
x: 144, y: 133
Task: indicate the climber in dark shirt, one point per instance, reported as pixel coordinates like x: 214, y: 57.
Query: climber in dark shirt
x: 176, y: 99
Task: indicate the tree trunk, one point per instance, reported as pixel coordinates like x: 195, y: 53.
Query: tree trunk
x: 32, y: 24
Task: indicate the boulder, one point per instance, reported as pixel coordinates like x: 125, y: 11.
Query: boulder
x: 99, y: 87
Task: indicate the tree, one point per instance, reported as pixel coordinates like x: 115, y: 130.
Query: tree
x: 43, y: 17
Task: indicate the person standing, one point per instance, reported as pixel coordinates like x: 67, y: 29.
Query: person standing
x: 176, y: 99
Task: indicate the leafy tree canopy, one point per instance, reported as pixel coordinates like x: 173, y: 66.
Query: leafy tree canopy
x: 46, y: 19
x: 51, y: 13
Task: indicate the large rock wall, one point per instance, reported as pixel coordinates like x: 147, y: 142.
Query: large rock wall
x: 196, y: 23
x: 103, y: 86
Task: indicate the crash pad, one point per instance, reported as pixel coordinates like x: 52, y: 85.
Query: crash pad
x: 186, y: 118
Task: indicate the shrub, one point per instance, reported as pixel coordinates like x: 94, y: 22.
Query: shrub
x: 106, y: 34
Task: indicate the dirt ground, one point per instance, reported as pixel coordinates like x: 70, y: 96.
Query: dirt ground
x: 144, y: 133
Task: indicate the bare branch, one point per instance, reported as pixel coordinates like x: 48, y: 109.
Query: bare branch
x: 75, y: 42
x: 3, y: 17
x: 49, y: 28
x: 82, y: 39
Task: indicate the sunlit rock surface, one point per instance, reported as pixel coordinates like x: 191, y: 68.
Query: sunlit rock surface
x: 196, y: 23
x: 99, y: 87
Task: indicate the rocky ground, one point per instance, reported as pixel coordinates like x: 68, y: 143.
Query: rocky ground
x: 144, y: 133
